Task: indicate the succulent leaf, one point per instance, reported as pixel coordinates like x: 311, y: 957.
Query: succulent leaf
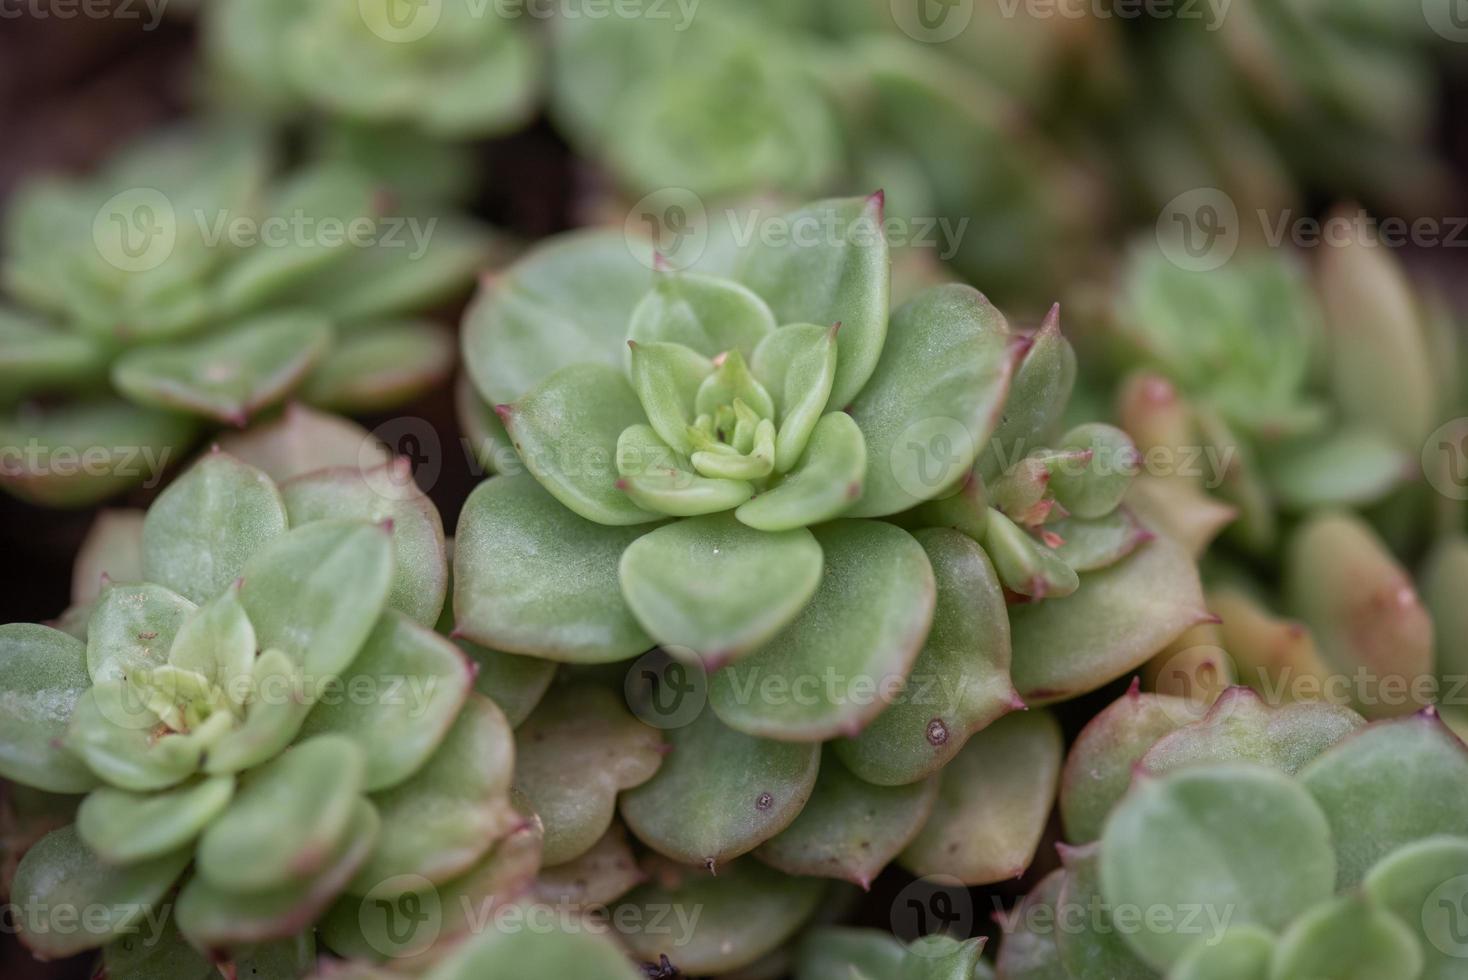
x: 132, y: 630
x: 1003, y: 781
x: 44, y: 673
x: 278, y: 707
x: 1024, y: 565
x: 1025, y: 951
x: 843, y: 952
x: 1041, y: 388
x: 1350, y: 938
x: 512, y: 955
x: 847, y: 654
x: 667, y: 378
x: 113, y: 733
x: 303, y: 440
x: 374, y: 368
x: 797, y: 363
x: 1099, y: 949
x: 597, y: 878
x: 126, y: 828
x: 1354, y: 467
x: 822, y: 484
x: 1242, y: 953
x: 217, y: 642
x: 113, y: 548
x: 1104, y: 463
x: 1407, y: 881
x: 1091, y: 545
x: 704, y: 314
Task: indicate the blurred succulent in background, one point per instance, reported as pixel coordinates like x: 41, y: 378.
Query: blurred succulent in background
x: 1238, y: 844
x: 252, y: 696
x: 189, y: 281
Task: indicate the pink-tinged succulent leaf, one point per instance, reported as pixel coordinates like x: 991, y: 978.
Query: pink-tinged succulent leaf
x: 271, y: 721
x: 566, y: 431
x: 385, y: 494
x: 850, y: 829
x: 301, y: 440
x: 846, y: 656
x: 451, y: 811
x: 1037, y: 397
x: 1028, y: 951
x: 841, y: 952
x: 1241, y: 953
x: 1117, y: 619
x: 1096, y: 466
x: 716, y: 588
x: 375, y: 368
x: 1194, y: 667
x: 797, y: 365
x: 1381, y: 370
x: 61, y: 872
x: 960, y: 680
x: 1096, y: 949
x: 316, y: 591
x: 1178, y: 509
x: 1099, y: 768
x: 113, y: 735
x: 1415, y: 772
x: 371, y: 928
x: 966, y: 510
x: 574, y: 754
x: 132, y: 629
x: 942, y: 957
x: 1236, y: 837
x: 933, y: 399
x: 1364, y: 611
x: 704, y: 815
x: 840, y: 276
x: 44, y: 672
x: 509, y: 955
x: 415, y: 682
x: 125, y: 445
x: 1419, y: 884
x: 1241, y: 727
x: 125, y: 828
x: 1154, y: 414
x: 230, y: 376
x: 1277, y: 657
x: 1355, y: 467
x: 213, y: 919
x: 597, y: 878
x: 993, y: 799
x: 484, y: 433
x: 531, y: 577
x: 313, y: 789
x: 704, y: 314
x: 1091, y: 545
x: 1348, y: 937
x: 667, y: 378
x: 749, y: 910
x: 113, y: 547
x: 825, y: 481
x: 1025, y: 565
x: 200, y: 531
x: 565, y: 303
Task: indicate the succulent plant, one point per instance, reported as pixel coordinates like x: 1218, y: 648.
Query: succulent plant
x: 263, y: 720
x: 185, y: 282
x: 1236, y: 844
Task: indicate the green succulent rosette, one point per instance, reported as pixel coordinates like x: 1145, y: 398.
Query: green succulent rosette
x: 1234, y: 843
x: 189, y: 283
x: 250, y: 693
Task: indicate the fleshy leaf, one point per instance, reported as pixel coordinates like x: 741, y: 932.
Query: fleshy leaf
x: 1024, y: 565
x: 1363, y: 610
x: 314, y: 790
x: 125, y: 828
x: 841, y: 276
x: 1116, y: 620
x: 231, y: 376
x: 380, y: 366
x: 823, y: 484
x: 213, y: 919
x: 217, y: 642
x: 113, y: 734
x: 44, y: 673
x: 37, y: 357
x: 442, y: 821
x: 847, y: 654
x: 1099, y: 768
x: 531, y: 577
x: 1180, y: 510
x: 656, y: 478
x: 1348, y: 938
x: 485, y: 433
x: 992, y: 802
x: 842, y: 952
x: 748, y: 910
x: 1238, y: 837
x: 278, y: 706
x: 515, y: 683
x: 1093, y: 489
x: 960, y: 680
x: 536, y: 953
x: 1041, y: 388
x: 1413, y: 769
x: 666, y: 378
x: 1089, y: 546
x: 316, y: 592
x: 420, y: 562
x: 1277, y: 657
x: 704, y: 814
x: 132, y: 629
x: 934, y: 398
x: 146, y: 957
x: 717, y: 588
x: 1242, y: 953
x: 566, y: 430
x: 1423, y: 884
x: 302, y: 440
x: 797, y: 364
x: 1098, y: 948
x: 397, y: 700
x: 1241, y: 727
x: 1028, y: 950
x: 705, y: 314
x: 1352, y: 468
x: 575, y: 753
x: 850, y: 829
x: 599, y: 877
x: 113, y: 547
x: 61, y: 876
